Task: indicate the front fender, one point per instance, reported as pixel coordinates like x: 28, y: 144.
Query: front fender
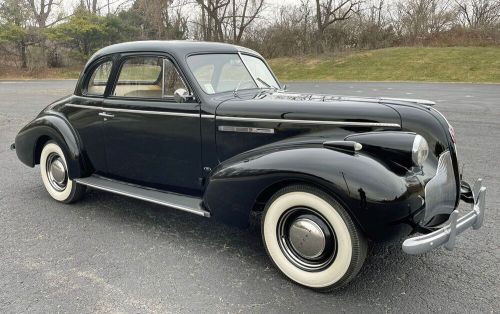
x: 55, y: 128
x: 376, y: 197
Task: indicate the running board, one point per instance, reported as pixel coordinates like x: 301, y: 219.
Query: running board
x: 186, y: 203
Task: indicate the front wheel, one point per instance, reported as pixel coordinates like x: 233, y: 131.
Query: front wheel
x: 54, y: 172
x: 312, y: 239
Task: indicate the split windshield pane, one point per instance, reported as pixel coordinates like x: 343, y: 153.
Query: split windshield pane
x: 218, y: 73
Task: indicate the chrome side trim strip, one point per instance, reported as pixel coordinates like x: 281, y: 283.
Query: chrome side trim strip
x: 243, y: 119
x: 208, y: 116
x: 342, y: 123
x: 242, y: 129
x: 160, y: 113
x: 416, y: 101
x: 84, y: 106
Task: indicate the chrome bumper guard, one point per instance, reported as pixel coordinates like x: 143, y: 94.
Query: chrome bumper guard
x: 447, y: 235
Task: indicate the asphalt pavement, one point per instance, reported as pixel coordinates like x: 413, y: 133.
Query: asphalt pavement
x: 109, y: 253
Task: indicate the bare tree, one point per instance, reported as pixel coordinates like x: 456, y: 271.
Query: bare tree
x: 374, y: 28
x: 43, y: 12
x: 215, y: 13
x: 376, y: 11
x: 161, y: 19
x: 479, y: 13
x: 421, y: 18
x: 90, y: 5
x: 228, y: 20
x: 244, y: 13
x: 329, y: 12
x: 290, y: 32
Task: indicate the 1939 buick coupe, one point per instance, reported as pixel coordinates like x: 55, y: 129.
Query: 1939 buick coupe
x: 207, y: 128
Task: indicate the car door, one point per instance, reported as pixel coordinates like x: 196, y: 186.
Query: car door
x: 83, y: 113
x: 151, y: 139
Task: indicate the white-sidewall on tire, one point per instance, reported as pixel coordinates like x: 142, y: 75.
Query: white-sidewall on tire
x: 320, y: 279
x: 46, y: 151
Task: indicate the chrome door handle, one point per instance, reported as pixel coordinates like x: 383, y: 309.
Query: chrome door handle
x: 106, y: 115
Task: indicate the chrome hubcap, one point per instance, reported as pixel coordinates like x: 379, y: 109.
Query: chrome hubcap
x: 56, y: 172
x: 306, y: 239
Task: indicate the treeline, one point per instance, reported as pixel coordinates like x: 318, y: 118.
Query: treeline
x: 48, y: 33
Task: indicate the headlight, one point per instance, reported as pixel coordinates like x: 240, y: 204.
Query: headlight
x: 420, y: 150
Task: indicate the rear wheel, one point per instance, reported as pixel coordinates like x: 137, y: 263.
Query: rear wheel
x: 54, y: 172
x: 312, y: 239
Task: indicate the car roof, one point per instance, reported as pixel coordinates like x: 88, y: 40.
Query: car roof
x: 176, y: 48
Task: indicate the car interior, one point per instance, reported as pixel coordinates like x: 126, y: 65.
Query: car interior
x: 139, y: 77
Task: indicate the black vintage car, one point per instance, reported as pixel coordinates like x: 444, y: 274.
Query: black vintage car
x: 207, y: 128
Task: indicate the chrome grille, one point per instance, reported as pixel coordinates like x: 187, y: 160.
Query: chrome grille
x: 441, y: 190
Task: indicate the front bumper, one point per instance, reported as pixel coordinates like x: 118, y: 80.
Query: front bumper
x: 446, y: 235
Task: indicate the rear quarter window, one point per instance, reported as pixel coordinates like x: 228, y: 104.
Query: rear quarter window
x: 99, y: 79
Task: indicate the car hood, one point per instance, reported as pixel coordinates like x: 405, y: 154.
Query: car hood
x: 314, y: 107
x: 326, y: 97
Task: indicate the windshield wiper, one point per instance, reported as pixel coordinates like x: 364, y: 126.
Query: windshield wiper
x: 267, y: 86
x: 265, y: 83
x: 235, y: 91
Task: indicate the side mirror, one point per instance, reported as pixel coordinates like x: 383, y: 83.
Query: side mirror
x: 181, y: 95
x: 285, y: 88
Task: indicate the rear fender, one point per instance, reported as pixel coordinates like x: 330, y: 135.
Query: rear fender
x: 56, y: 128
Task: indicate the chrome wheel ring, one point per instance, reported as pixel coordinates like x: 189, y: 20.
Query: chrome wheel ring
x: 306, y: 239
x: 56, y: 172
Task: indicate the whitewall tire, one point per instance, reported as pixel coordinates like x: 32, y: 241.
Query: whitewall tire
x: 53, y: 169
x: 311, y: 238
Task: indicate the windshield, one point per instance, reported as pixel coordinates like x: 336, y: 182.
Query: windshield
x: 218, y: 73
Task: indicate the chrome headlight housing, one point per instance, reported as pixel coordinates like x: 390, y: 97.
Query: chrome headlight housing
x: 420, y: 150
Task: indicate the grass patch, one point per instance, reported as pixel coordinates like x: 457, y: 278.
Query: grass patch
x: 447, y: 64
x: 13, y: 73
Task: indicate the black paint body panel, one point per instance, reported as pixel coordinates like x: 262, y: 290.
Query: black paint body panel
x: 237, y: 172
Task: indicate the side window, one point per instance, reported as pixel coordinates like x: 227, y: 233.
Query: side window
x: 172, y: 79
x: 99, y: 78
x: 148, y: 77
x: 140, y: 77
